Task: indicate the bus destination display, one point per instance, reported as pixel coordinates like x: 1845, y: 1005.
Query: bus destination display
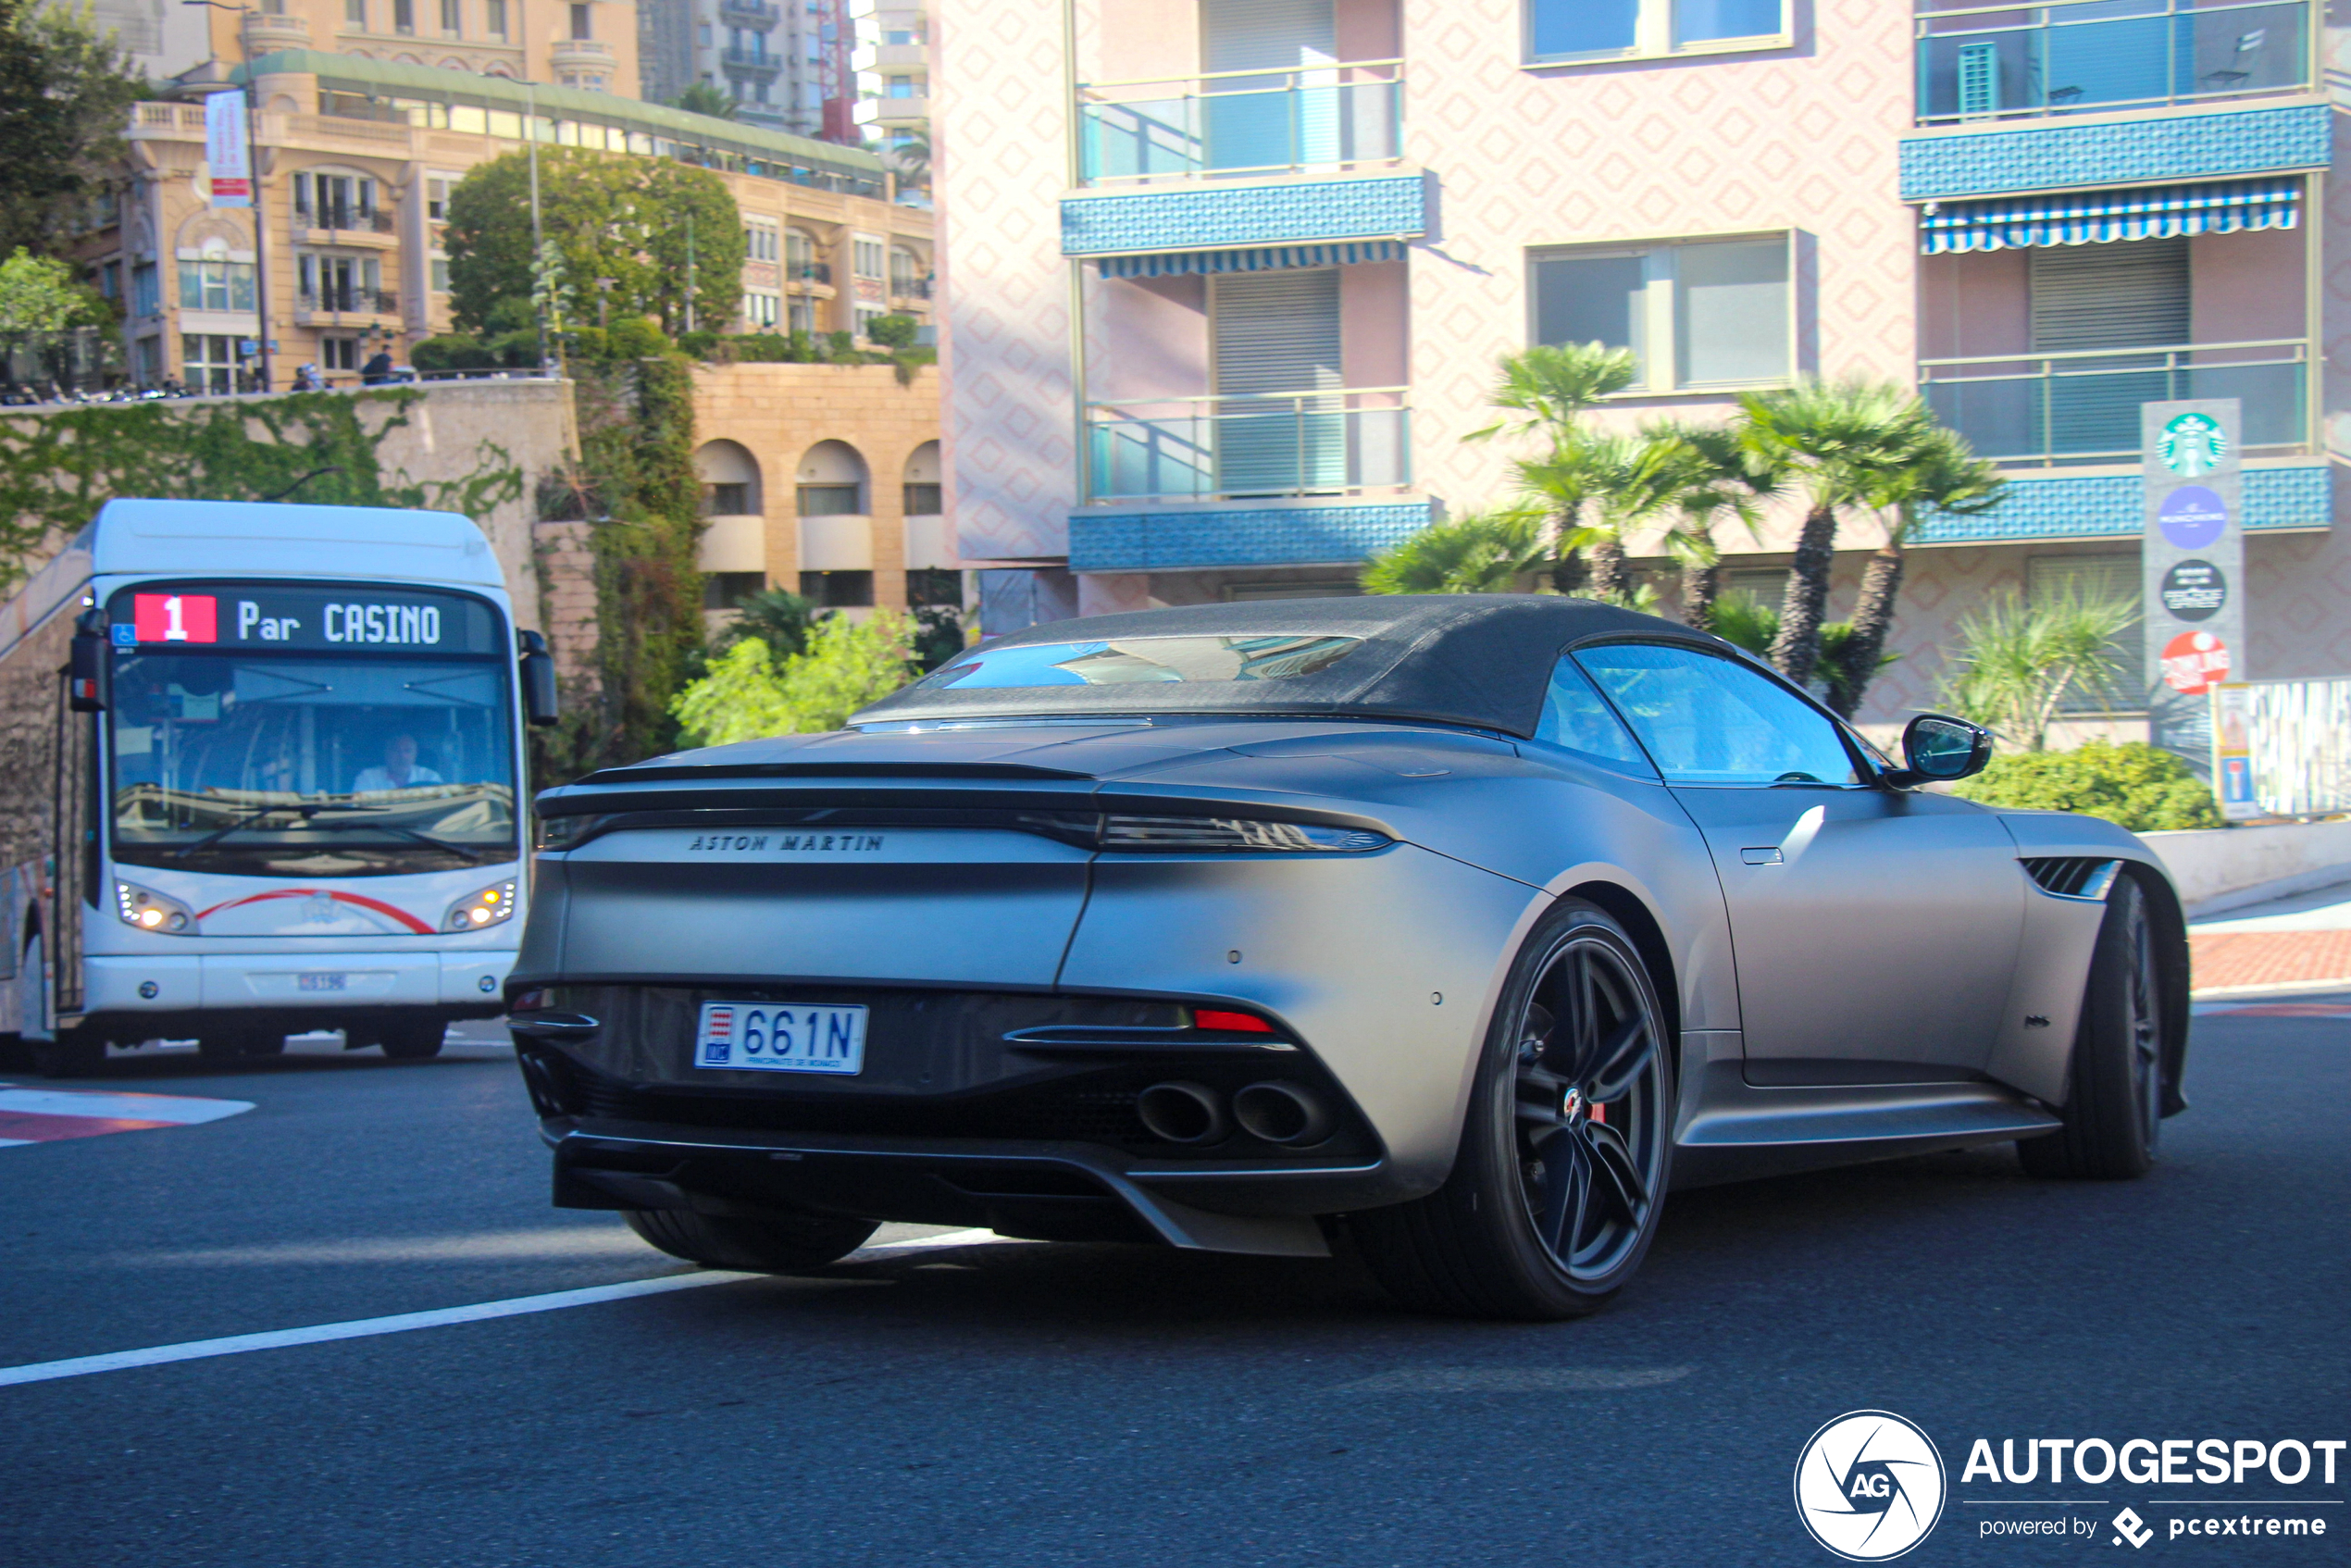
x: 309, y: 617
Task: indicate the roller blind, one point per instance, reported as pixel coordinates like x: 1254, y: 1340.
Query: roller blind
x: 2130, y: 295
x: 1276, y: 331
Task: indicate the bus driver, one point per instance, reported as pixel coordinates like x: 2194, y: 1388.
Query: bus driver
x: 399, y: 772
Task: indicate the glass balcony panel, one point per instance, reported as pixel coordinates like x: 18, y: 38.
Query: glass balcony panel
x: 2079, y: 408
x: 1248, y: 448
x: 1254, y: 122
x: 2099, y: 55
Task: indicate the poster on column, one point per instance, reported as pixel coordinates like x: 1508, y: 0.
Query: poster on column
x: 2194, y: 565
x: 224, y: 151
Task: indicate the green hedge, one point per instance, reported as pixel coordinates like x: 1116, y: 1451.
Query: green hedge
x: 2132, y: 784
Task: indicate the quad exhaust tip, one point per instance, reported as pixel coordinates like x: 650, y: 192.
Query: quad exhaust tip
x: 1281, y: 1112
x: 1180, y: 1112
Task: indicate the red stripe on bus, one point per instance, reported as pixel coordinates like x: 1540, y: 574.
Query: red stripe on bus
x: 362, y: 900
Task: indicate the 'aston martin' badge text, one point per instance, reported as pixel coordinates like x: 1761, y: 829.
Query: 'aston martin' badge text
x: 819, y: 843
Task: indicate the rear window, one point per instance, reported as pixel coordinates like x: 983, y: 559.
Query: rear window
x: 1140, y: 661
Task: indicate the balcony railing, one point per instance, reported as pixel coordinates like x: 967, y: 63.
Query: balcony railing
x: 752, y: 61
x: 750, y: 13
x: 349, y: 301
x: 347, y: 221
x: 808, y: 272
x: 910, y: 288
x: 2084, y: 406
x: 1236, y: 122
x: 1265, y: 446
x: 2072, y: 56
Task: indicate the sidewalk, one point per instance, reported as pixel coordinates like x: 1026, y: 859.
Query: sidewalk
x: 2297, y: 943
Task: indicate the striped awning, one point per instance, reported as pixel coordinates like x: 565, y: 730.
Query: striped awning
x: 1271, y: 258
x: 2097, y: 217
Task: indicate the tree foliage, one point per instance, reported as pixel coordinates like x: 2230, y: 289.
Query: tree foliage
x: 704, y: 98
x: 847, y: 665
x: 2134, y: 785
x: 65, y: 91
x: 38, y: 294
x: 631, y: 219
x: 1483, y: 553
x: 2018, y: 659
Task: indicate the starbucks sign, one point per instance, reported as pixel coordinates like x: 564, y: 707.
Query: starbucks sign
x: 2193, y: 559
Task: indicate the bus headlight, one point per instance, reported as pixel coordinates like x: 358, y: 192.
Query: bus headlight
x: 152, y: 911
x: 488, y: 907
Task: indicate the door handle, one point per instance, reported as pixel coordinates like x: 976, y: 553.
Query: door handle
x: 1763, y: 854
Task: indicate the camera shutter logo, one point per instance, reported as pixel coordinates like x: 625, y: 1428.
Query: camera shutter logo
x: 1869, y: 1485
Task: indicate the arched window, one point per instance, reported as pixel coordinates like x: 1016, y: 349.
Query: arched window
x: 730, y: 480
x: 921, y: 481
x: 832, y: 482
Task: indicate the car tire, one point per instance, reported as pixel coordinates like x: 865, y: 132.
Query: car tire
x: 413, y: 1041
x: 2113, y: 1112
x: 1556, y: 1193
x: 782, y: 1245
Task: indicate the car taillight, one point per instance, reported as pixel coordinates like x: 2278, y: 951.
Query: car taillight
x: 1241, y: 1023
x: 1227, y: 834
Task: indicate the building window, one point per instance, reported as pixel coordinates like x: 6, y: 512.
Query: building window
x: 439, y: 267
x: 437, y: 189
x: 866, y: 317
x: 702, y: 40
x: 838, y: 591
x: 762, y: 309
x: 868, y: 257
x: 150, y: 361
x: 761, y: 243
x: 922, y: 501
x: 452, y: 18
x: 215, y: 283
x: 354, y: 14
x: 803, y: 317
x: 339, y: 354
x: 731, y: 590
x: 580, y: 20
x: 731, y: 499
x: 146, y: 289
x: 1607, y: 30
x: 494, y: 19
x: 902, y: 87
x: 334, y: 201
x: 404, y: 16
x: 830, y: 501
x: 935, y: 586
x: 209, y: 363
x: 1707, y: 313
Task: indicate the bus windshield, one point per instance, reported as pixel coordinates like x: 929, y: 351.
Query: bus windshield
x: 311, y: 763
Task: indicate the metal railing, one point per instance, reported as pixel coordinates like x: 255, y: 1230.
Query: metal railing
x: 910, y: 288
x: 2070, y: 56
x: 350, y: 301
x: 2299, y: 734
x: 1232, y: 122
x: 808, y: 272
x: 1264, y: 444
x: 752, y: 60
x: 2083, y: 406
x: 347, y: 221
x: 752, y: 13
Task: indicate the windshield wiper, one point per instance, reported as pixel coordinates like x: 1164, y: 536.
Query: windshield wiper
x: 245, y: 821
x: 309, y: 813
x: 471, y: 857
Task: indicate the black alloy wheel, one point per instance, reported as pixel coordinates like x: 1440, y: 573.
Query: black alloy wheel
x: 2113, y: 1112
x: 1588, y: 1079
x: 1561, y: 1180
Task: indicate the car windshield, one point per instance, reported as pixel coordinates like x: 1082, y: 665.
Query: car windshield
x: 1140, y: 660
x: 311, y: 765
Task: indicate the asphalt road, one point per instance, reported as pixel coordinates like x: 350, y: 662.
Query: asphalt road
x: 1020, y: 1403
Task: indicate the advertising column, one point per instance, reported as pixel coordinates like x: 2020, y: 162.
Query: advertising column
x: 2193, y: 562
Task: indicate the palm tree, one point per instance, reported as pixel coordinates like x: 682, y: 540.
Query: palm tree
x: 2016, y: 660
x: 1946, y: 476
x: 1603, y: 489
x: 702, y: 98
x: 1841, y: 438
x: 910, y: 154
x: 1550, y: 384
x: 1733, y: 476
x: 1481, y: 552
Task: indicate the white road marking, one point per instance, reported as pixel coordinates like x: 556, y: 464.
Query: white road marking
x: 185, y: 1110
x: 1513, y: 1379
x: 401, y: 1322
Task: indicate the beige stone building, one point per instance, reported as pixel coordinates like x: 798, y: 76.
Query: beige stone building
x: 825, y: 479
x: 356, y: 158
x: 589, y: 45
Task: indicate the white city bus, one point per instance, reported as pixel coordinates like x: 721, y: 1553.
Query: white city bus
x: 259, y: 775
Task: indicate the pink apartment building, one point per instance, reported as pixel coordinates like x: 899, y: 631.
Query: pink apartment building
x: 1226, y: 280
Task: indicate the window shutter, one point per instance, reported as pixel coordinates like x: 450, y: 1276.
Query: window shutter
x: 2130, y: 295
x: 1277, y: 332
x: 1266, y: 34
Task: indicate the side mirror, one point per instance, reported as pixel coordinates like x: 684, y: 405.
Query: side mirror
x: 539, y: 700
x: 88, y: 664
x: 1938, y: 749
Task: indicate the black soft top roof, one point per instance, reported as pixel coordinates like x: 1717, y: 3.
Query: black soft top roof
x: 1479, y: 659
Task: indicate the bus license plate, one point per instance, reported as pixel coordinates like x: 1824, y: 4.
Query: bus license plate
x: 331, y: 982
x: 765, y: 1037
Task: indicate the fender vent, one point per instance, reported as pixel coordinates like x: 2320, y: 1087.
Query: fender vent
x: 2073, y: 876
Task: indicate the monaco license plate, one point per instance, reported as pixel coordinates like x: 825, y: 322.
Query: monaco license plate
x: 329, y: 982
x: 772, y: 1038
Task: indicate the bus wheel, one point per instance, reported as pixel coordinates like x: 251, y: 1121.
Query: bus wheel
x: 73, y: 1056
x: 407, y: 1041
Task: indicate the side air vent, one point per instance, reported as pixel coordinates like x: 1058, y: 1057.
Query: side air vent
x: 2073, y: 876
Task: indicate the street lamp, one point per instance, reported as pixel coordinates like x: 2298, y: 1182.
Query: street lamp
x: 260, y: 207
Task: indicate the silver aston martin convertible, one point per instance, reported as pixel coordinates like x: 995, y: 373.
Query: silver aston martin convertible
x: 1467, y: 924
